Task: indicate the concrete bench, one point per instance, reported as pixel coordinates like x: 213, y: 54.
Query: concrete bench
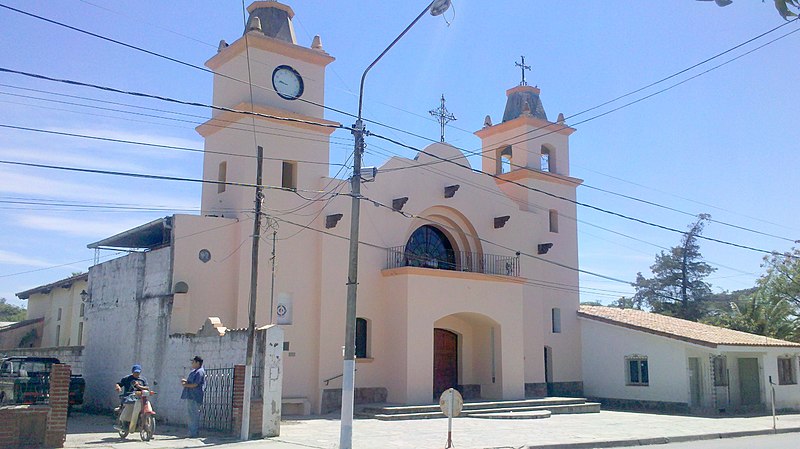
x: 295, y: 406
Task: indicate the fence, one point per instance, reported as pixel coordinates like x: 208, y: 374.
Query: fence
x: 217, y: 410
x: 400, y: 256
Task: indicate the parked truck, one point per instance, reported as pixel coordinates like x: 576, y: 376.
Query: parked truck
x: 26, y: 380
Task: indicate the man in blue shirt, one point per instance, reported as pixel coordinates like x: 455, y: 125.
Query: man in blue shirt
x: 126, y: 387
x: 193, y: 387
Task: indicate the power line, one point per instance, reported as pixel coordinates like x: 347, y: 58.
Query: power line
x: 599, y: 209
x: 171, y: 100
x: 156, y: 177
x: 212, y: 123
x: 154, y: 145
x: 396, y: 143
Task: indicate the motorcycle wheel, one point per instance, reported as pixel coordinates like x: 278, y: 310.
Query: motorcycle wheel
x: 122, y: 433
x: 148, y: 428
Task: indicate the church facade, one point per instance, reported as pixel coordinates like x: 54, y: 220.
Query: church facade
x: 464, y: 277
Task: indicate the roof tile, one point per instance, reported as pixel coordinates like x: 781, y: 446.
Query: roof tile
x: 677, y: 328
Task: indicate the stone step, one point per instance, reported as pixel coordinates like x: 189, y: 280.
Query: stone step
x: 521, y: 409
x: 473, y: 405
x: 539, y: 414
x: 588, y: 407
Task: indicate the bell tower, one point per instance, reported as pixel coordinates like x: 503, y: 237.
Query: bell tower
x: 265, y: 72
x: 526, y: 148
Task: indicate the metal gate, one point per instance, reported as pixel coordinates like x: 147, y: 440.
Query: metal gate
x: 217, y: 410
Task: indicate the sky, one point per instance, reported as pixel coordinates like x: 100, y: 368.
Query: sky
x: 722, y: 141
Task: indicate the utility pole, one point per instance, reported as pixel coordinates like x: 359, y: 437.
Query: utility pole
x: 436, y: 7
x: 272, y: 288
x: 251, y: 327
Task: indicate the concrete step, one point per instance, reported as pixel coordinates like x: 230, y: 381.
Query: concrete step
x: 535, y: 408
x: 540, y: 414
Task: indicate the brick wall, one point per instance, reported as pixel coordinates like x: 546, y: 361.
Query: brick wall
x: 256, y: 406
x: 38, y: 425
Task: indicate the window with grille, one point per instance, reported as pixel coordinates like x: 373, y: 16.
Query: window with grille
x: 637, y: 371
x: 720, y: 371
x: 786, y: 371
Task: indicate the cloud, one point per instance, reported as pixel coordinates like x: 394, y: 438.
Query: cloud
x: 12, y: 182
x: 9, y: 258
x: 77, y: 227
x: 155, y: 139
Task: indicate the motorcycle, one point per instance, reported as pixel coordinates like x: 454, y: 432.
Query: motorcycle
x: 137, y: 416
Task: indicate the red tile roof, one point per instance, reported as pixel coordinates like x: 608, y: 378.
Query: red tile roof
x: 678, y: 329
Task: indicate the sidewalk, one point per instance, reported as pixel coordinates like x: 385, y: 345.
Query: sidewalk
x: 604, y: 429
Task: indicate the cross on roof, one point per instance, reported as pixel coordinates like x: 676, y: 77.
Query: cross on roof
x: 522, y: 67
x: 443, y: 116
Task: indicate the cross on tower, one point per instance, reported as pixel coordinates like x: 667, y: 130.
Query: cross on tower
x: 522, y: 67
x: 443, y: 116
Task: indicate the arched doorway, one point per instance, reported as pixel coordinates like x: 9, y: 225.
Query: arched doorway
x: 429, y: 247
x: 445, y: 361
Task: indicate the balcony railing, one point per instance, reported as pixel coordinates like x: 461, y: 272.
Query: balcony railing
x: 455, y: 261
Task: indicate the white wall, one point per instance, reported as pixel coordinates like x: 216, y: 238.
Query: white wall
x: 604, y: 349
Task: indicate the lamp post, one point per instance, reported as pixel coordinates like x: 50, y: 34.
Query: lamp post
x: 436, y: 7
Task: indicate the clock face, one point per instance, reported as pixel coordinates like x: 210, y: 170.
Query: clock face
x: 287, y: 82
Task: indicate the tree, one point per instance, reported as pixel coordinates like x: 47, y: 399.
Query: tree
x: 10, y: 312
x: 678, y: 286
x: 762, y: 315
x: 782, y: 278
x: 784, y: 7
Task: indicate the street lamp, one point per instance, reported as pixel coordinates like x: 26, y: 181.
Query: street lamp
x: 436, y: 7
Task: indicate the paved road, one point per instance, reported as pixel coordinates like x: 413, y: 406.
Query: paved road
x: 559, y: 431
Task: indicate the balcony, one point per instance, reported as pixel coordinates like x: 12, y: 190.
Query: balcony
x: 454, y: 261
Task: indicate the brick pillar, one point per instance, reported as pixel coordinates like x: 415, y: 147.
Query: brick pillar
x: 9, y: 430
x: 238, y: 398
x: 59, y: 402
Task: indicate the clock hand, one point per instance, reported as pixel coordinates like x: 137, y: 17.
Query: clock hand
x: 282, y: 82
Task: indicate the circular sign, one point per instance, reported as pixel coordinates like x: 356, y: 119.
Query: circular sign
x: 281, y: 310
x: 451, y: 400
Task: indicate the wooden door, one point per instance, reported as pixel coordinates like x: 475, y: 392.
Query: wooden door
x: 445, y: 361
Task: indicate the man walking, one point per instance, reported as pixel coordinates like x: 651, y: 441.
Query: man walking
x: 193, y: 387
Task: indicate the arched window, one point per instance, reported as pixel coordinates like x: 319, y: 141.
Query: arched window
x: 428, y: 247
x: 504, y: 159
x: 548, y: 160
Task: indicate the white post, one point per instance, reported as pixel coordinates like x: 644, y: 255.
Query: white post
x: 273, y: 383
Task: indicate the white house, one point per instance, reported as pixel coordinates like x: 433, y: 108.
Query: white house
x: 633, y: 358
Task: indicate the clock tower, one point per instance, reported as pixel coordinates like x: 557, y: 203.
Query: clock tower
x: 265, y: 72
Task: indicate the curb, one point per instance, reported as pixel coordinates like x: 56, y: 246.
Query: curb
x: 662, y: 440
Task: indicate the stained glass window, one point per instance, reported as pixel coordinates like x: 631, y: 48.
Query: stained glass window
x: 428, y: 247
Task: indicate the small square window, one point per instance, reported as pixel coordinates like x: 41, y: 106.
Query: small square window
x: 786, y: 371
x: 637, y: 371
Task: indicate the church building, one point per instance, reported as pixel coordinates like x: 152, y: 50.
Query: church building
x: 466, y: 279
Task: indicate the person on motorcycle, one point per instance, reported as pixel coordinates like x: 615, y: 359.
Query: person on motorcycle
x: 127, y: 388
